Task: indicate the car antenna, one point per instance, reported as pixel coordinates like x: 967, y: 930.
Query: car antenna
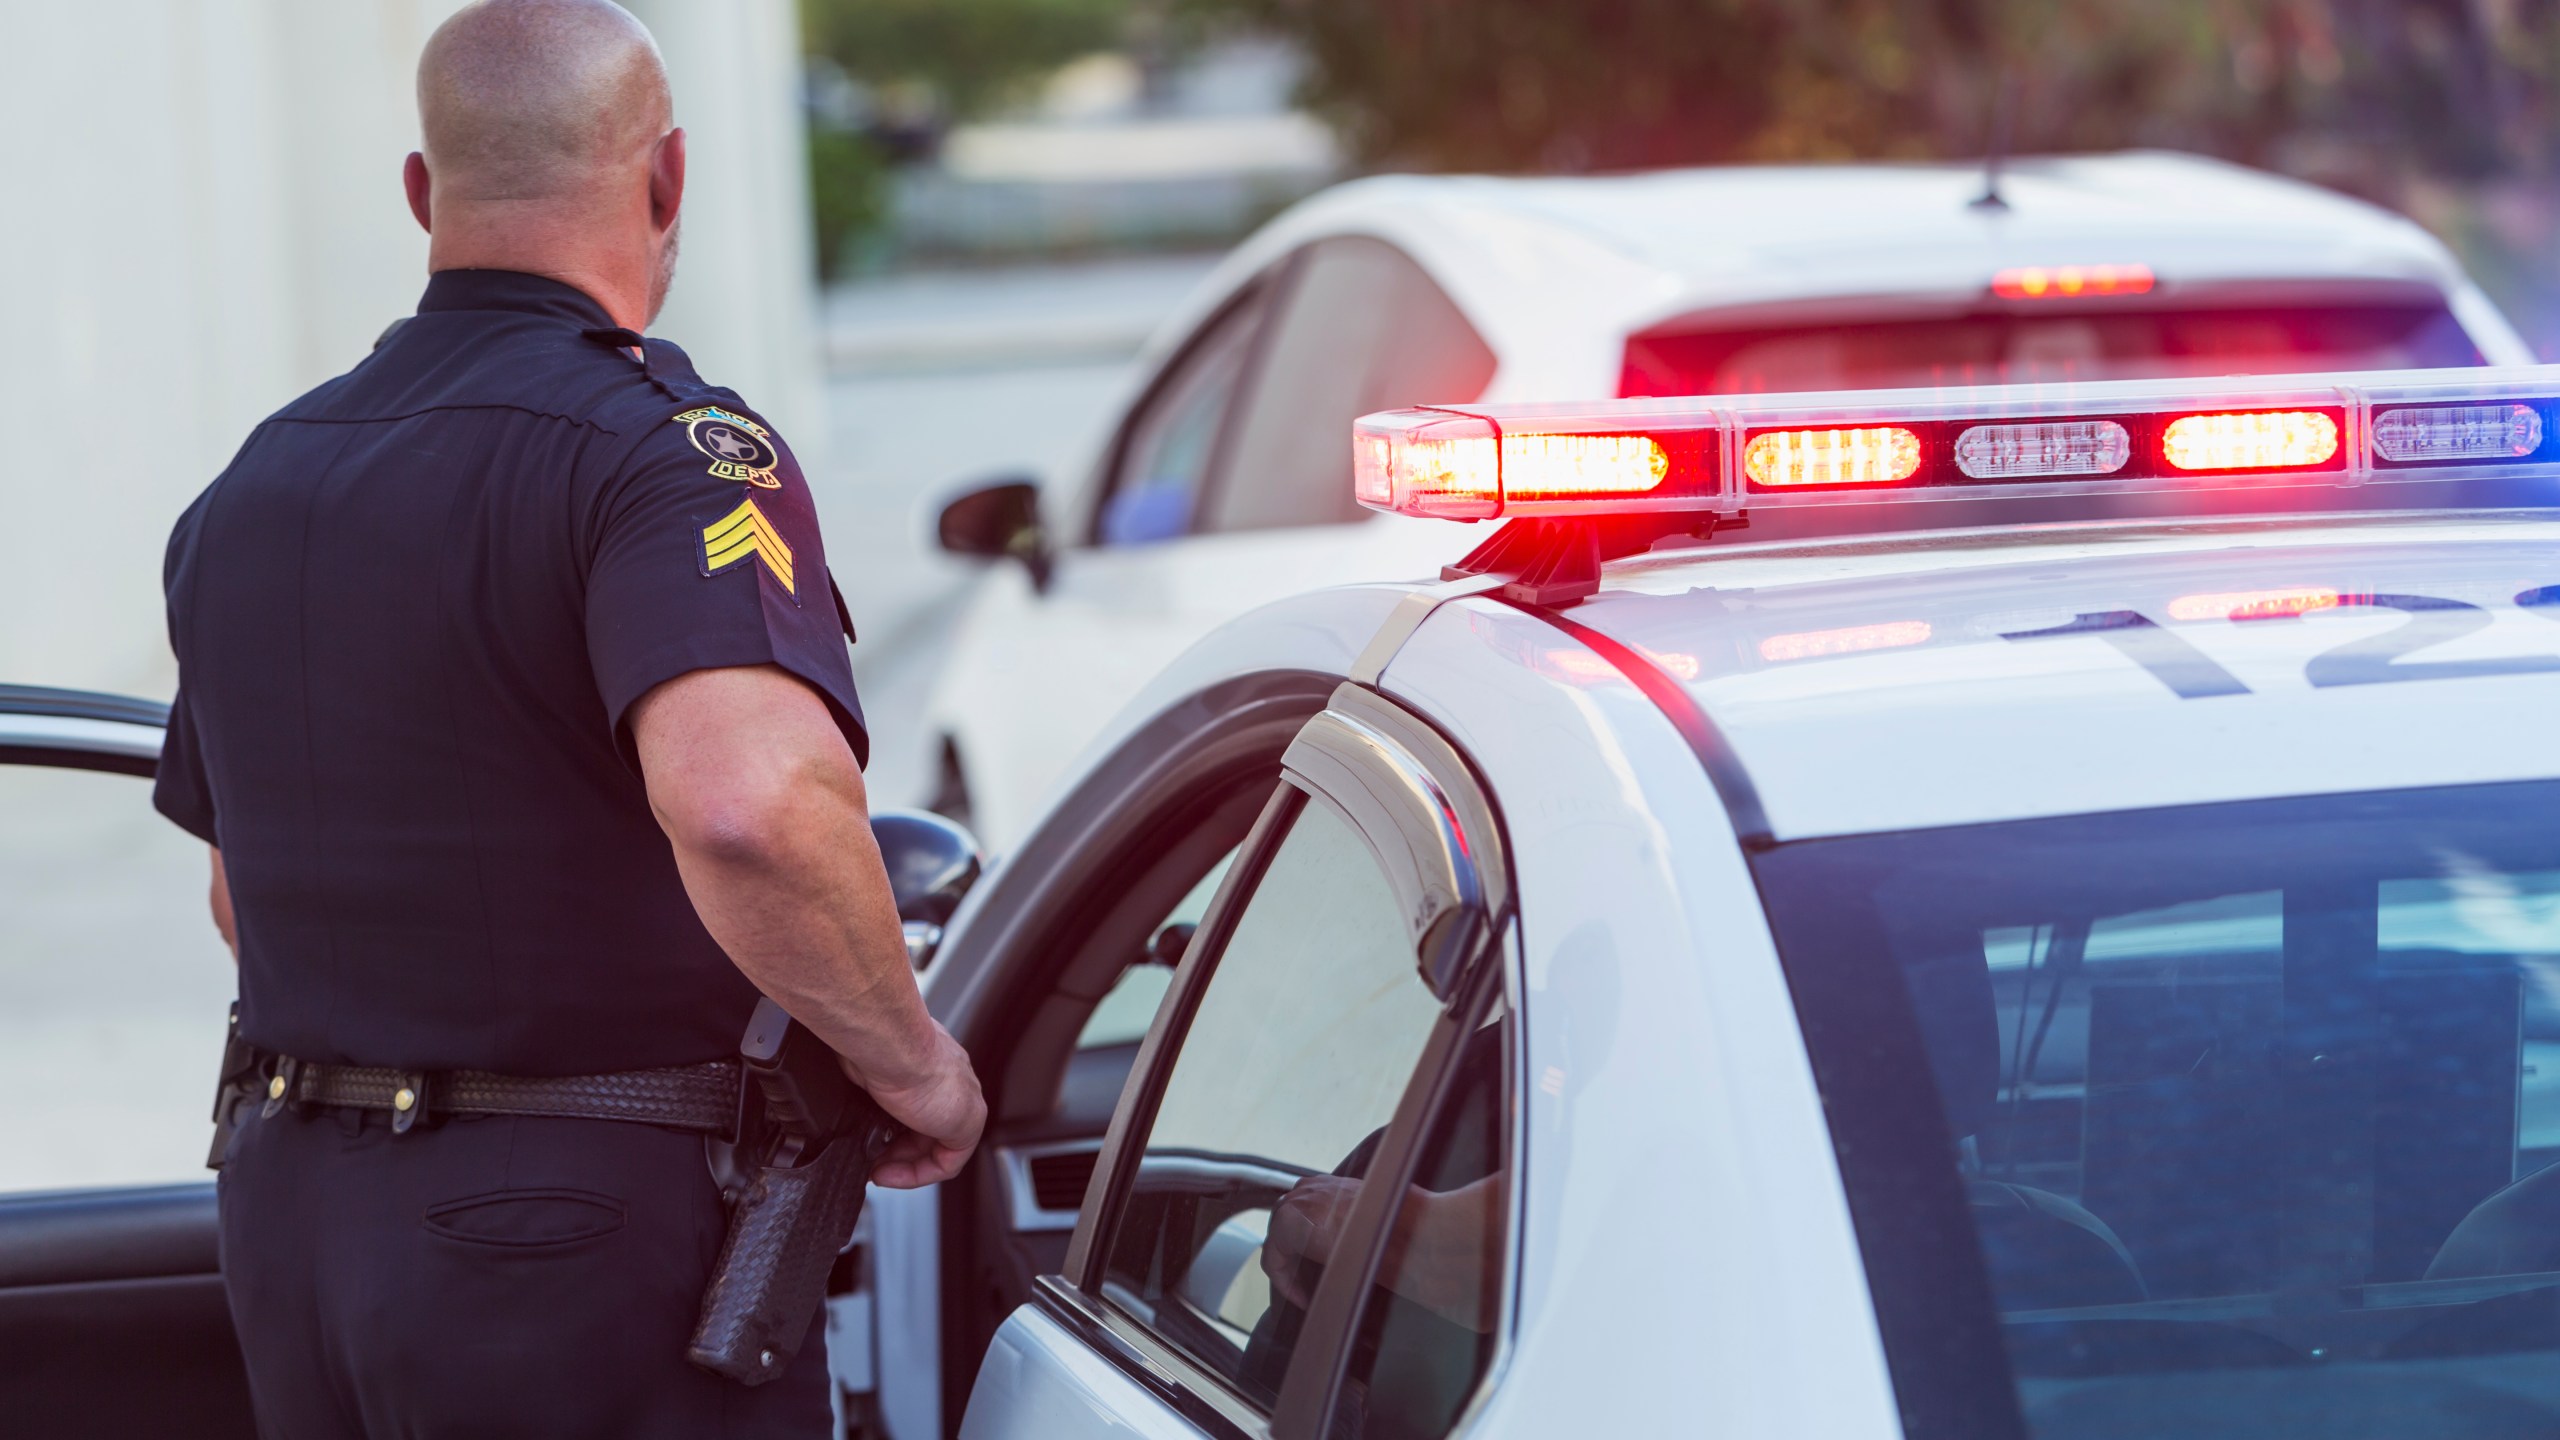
x: 2002, y: 99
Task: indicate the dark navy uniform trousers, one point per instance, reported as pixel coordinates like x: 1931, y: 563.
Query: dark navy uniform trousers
x: 486, y: 1279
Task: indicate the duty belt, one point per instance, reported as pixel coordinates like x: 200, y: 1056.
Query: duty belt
x: 700, y: 1097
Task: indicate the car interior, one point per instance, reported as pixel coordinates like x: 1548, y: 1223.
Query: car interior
x: 1059, y: 1100
x: 2259, y: 1126
x: 1068, y: 960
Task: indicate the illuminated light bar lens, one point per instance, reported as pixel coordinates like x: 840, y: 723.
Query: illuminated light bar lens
x: 2252, y: 604
x: 1558, y: 467
x: 2265, y: 440
x: 2064, y: 282
x: 1458, y: 479
x: 1849, y: 641
x: 2068, y: 447
x: 1447, y: 467
x: 1877, y: 455
x: 1456, y: 469
x: 2458, y: 432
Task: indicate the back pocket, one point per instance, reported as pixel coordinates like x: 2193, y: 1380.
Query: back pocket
x: 524, y: 1218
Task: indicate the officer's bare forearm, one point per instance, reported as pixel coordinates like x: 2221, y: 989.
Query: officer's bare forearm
x: 765, y: 808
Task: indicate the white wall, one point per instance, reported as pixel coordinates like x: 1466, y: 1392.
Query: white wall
x: 745, y: 304
x: 203, y: 218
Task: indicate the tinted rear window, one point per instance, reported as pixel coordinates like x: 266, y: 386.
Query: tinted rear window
x: 2007, y: 347
x: 2228, y: 1121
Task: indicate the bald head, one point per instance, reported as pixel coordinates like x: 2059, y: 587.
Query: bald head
x: 539, y: 99
x: 550, y: 149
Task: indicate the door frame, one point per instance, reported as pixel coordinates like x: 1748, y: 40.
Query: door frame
x: 147, y: 1248
x: 81, y: 730
x: 1439, y: 841
x: 1036, y: 917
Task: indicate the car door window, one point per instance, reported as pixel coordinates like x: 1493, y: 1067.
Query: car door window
x: 1128, y: 1008
x: 1174, y: 439
x: 1292, y: 1064
x: 1427, y: 1328
x: 1363, y: 329
x: 113, y: 985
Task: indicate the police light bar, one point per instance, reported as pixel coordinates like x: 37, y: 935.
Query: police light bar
x: 1719, y: 455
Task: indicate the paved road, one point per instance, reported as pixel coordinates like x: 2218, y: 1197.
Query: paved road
x: 112, y: 983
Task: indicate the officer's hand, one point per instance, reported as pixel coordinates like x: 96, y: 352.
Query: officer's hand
x: 943, y: 1113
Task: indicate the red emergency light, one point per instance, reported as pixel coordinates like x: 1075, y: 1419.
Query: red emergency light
x: 1721, y: 455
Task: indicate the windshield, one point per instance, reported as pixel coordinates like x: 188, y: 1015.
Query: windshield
x: 2011, y: 347
x: 2232, y: 1120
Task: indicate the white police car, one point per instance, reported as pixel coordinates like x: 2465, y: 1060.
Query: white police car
x: 2069, y: 976
x: 1221, y: 485
x: 1994, y: 963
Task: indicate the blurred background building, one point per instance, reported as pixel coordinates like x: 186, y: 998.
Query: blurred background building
x: 206, y: 219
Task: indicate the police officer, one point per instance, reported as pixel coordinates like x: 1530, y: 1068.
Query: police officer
x: 514, y: 698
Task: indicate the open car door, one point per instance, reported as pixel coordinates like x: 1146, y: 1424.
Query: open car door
x: 113, y: 991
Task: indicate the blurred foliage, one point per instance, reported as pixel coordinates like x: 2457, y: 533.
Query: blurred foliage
x: 972, y: 55
x: 2447, y: 87
x: 919, y: 65
x: 848, y: 194
x: 2446, y: 109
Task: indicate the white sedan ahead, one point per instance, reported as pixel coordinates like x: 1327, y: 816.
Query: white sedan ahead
x: 1224, y: 482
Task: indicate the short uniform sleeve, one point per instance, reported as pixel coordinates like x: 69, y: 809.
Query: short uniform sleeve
x: 181, y: 790
x: 706, y: 555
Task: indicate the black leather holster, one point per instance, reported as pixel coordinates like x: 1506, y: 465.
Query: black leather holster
x: 814, y: 1137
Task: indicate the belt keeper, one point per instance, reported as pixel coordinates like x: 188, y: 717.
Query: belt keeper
x: 410, y: 1101
x: 282, y: 1082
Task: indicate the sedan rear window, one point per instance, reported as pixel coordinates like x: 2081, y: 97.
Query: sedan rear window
x: 2230, y: 1120
x: 2010, y: 347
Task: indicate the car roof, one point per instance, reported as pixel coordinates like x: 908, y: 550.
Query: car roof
x: 1556, y: 271
x: 1880, y: 685
x: 1791, y: 229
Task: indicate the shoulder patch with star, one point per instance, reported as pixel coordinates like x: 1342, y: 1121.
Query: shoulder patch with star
x: 740, y: 449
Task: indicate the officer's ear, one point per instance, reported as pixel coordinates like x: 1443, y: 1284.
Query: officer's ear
x: 413, y: 176
x: 666, y: 179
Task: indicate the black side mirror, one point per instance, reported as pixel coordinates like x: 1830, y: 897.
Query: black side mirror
x: 998, y: 520
x: 1170, y: 943
x: 932, y: 863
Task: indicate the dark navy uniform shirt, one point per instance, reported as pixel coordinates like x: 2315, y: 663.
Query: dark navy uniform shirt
x: 411, y: 620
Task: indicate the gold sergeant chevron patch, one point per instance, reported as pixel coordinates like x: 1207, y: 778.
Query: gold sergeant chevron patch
x: 744, y: 532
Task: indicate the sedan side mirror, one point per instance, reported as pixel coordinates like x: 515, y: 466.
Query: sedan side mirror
x: 998, y: 520
x: 932, y: 863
